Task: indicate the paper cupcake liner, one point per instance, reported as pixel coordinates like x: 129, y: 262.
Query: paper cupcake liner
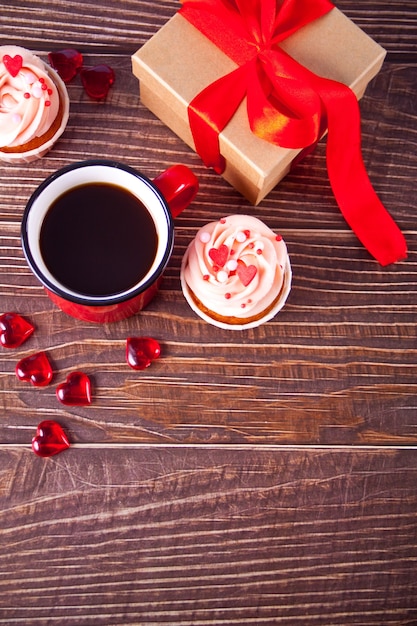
x: 36, y: 153
x: 286, y: 288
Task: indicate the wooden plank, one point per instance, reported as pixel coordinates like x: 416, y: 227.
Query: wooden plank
x: 170, y: 535
x: 391, y: 24
x: 355, y: 390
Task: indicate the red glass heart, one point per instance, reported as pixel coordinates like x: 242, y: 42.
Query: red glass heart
x: 141, y: 352
x: 36, y: 369
x: 66, y: 62
x: 14, y: 330
x: 246, y: 273
x: 75, y: 391
x: 13, y: 64
x: 97, y: 80
x: 219, y: 255
x: 50, y: 439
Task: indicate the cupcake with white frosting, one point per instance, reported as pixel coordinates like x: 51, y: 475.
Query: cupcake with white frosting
x: 236, y: 273
x: 34, y: 106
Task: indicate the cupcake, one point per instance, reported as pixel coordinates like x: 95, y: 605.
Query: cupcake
x: 236, y: 273
x: 34, y: 106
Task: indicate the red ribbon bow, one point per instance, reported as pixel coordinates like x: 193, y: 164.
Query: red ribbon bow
x: 287, y: 105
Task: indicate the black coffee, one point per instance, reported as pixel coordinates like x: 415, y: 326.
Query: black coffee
x: 98, y: 239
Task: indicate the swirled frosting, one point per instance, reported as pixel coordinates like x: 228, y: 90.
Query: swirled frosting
x: 235, y: 266
x: 29, y: 100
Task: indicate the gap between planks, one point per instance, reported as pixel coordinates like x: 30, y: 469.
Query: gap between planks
x: 225, y: 446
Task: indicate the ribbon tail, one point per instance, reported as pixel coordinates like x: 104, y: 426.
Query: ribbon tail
x: 357, y: 200
x: 210, y: 112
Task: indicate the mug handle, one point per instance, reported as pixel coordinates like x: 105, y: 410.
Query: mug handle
x: 179, y: 187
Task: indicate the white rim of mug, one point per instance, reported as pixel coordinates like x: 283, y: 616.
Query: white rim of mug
x: 92, y: 171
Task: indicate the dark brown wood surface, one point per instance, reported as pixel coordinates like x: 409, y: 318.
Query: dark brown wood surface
x: 185, y: 536
x: 263, y: 477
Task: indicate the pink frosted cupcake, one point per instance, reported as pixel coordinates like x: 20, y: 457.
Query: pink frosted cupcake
x: 236, y: 273
x: 34, y: 106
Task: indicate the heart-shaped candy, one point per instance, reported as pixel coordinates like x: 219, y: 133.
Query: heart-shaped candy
x: 141, y: 351
x: 246, y: 273
x: 14, y: 330
x: 97, y: 81
x: 50, y: 439
x: 13, y: 64
x: 36, y: 369
x: 219, y: 255
x: 66, y: 62
x: 75, y: 391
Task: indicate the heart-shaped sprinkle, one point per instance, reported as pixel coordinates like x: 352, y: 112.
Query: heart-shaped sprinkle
x: 97, y: 80
x: 141, y: 352
x: 75, y: 391
x: 219, y: 255
x: 14, y: 330
x: 66, y: 62
x: 13, y: 64
x: 35, y: 369
x: 50, y: 439
x: 246, y: 273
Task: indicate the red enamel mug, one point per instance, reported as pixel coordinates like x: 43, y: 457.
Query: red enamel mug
x: 98, y: 235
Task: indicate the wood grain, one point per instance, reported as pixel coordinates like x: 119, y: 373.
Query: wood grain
x: 188, y: 536
x: 393, y: 25
x: 250, y: 479
x: 337, y: 365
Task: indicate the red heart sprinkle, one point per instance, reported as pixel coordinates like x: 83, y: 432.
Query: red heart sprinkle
x: 66, y: 62
x: 75, y: 391
x: 141, y: 351
x: 36, y: 369
x: 97, y: 81
x: 14, y: 330
x: 246, y: 273
x: 13, y: 64
x: 50, y: 439
x: 219, y: 255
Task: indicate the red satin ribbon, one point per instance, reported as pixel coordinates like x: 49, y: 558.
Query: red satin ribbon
x: 286, y: 105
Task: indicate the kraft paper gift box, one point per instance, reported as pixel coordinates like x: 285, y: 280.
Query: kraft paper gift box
x: 179, y: 61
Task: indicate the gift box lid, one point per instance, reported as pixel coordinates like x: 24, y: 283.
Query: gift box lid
x: 178, y: 62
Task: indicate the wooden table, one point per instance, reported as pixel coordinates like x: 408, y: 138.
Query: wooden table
x: 263, y: 477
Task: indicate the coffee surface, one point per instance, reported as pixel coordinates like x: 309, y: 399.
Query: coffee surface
x: 98, y: 239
